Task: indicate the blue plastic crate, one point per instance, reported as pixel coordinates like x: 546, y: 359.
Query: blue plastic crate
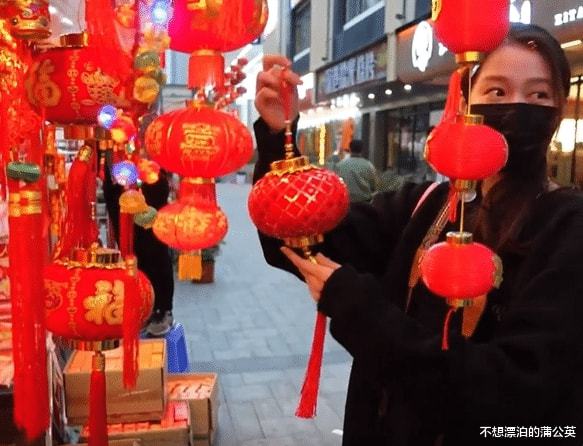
x: 177, y: 353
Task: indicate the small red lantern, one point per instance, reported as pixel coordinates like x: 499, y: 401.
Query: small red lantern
x: 192, y: 223
x: 71, y: 83
x: 148, y: 170
x: 467, y: 26
x: 199, y: 142
x: 297, y: 200
x: 466, y: 149
x: 460, y: 271
x: 29, y: 20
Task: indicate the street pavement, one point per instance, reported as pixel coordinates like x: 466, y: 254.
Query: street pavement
x: 254, y: 326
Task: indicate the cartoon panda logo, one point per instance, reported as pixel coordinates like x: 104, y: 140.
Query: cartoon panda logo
x: 422, y: 46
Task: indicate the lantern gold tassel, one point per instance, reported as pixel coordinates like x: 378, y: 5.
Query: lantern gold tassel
x: 190, y: 265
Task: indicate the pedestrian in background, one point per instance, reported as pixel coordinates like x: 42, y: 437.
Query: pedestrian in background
x: 358, y: 173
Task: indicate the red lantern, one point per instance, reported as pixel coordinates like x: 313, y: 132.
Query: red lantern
x: 304, y: 201
x: 206, y: 28
x: 193, y: 222
x: 459, y: 268
x: 468, y: 26
x: 29, y: 20
x: 199, y: 142
x: 71, y: 83
x: 149, y: 170
x: 85, y: 299
x: 221, y: 25
x: 466, y: 149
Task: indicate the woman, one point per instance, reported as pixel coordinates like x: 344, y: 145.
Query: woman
x: 522, y: 366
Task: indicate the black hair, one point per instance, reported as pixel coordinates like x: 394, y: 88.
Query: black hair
x: 356, y: 146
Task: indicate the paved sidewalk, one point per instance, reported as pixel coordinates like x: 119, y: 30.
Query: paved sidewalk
x: 254, y: 327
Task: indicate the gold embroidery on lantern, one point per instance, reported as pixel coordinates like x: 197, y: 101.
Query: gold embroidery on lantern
x: 211, y: 7
x: 73, y: 73
x: 435, y: 9
x: 72, y: 298
x: 100, y: 87
x: 107, y: 303
x: 53, y: 291
x: 44, y: 91
x: 198, y: 141
x: 154, y: 138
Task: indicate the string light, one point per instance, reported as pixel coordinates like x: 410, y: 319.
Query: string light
x: 161, y: 12
x: 106, y: 116
x: 125, y: 173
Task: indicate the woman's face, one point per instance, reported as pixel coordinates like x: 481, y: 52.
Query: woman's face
x: 514, y: 73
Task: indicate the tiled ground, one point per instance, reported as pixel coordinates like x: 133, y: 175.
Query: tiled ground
x: 254, y: 327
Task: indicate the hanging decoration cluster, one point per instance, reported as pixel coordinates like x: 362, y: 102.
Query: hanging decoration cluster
x: 203, y: 140
x: 462, y: 148
x: 298, y: 203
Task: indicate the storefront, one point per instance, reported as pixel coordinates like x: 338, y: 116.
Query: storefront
x: 421, y: 59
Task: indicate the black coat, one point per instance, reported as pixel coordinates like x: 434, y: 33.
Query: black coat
x: 521, y: 369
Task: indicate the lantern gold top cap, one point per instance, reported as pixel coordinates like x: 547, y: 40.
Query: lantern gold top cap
x: 76, y: 40
x: 459, y: 238
x: 470, y: 119
x: 290, y: 165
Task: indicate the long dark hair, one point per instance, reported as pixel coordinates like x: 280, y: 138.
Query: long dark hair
x: 504, y: 210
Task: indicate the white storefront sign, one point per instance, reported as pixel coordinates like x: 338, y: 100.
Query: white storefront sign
x: 569, y: 16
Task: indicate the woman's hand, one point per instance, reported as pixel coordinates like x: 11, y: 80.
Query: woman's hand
x: 268, y: 97
x: 316, y: 274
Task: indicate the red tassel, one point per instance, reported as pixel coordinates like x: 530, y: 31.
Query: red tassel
x: 309, y: 395
x: 445, y: 338
x: 97, y: 407
x: 131, y: 325
x: 126, y: 233
x: 454, y: 93
x: 26, y: 254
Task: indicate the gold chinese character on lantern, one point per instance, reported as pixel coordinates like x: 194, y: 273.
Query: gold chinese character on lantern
x: 107, y: 303
x: 198, y: 141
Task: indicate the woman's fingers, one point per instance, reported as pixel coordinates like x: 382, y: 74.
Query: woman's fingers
x: 323, y: 260
x: 273, y: 60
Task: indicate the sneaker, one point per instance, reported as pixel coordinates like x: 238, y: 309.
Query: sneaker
x: 160, y: 324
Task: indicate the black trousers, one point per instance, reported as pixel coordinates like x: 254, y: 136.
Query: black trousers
x: 153, y: 256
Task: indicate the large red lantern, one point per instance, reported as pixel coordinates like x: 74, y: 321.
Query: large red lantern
x: 467, y: 26
x: 199, y: 142
x: 71, y: 83
x: 29, y: 20
x: 85, y: 298
x: 206, y: 28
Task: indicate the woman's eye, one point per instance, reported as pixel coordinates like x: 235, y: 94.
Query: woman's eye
x: 497, y: 92
x: 542, y: 95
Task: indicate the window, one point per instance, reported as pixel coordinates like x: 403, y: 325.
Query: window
x: 422, y: 7
x: 301, y: 28
x: 354, y: 8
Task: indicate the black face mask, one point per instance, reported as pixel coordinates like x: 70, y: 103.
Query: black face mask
x: 528, y: 129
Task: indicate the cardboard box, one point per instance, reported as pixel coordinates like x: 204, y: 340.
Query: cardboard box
x: 145, y: 402
x: 201, y: 392
x: 172, y: 430
x: 203, y: 441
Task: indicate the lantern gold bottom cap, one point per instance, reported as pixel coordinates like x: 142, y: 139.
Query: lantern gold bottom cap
x: 460, y: 303
x: 89, y: 346
x: 303, y: 242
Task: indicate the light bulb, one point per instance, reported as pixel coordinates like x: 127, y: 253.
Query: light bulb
x: 106, y: 116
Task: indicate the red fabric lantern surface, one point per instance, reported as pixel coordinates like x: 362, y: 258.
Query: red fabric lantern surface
x: 199, y: 142
x: 194, y: 221
x: 86, y: 302
x: 303, y: 203
x: 29, y: 20
x: 221, y: 25
x: 71, y: 83
x: 467, y: 25
x: 466, y: 151
x: 459, y: 270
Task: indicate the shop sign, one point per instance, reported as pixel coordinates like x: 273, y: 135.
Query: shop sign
x: 563, y: 18
x: 572, y: 15
x: 368, y: 66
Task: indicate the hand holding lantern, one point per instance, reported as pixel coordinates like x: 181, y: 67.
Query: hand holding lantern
x: 298, y: 203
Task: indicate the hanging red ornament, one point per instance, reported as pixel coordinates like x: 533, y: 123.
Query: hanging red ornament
x: 206, y: 28
x: 298, y: 203
x: 149, y: 171
x: 467, y: 27
x: 460, y: 271
x: 70, y: 84
x: 199, y: 142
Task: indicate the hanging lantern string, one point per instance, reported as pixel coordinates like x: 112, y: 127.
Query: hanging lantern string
x: 286, y: 96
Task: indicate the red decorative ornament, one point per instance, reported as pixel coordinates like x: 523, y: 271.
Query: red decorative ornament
x: 123, y: 129
x: 29, y: 20
x: 199, y: 142
x: 468, y: 26
x: 302, y: 201
x: 71, y: 83
x: 148, y: 170
x: 215, y: 25
x: 460, y: 271
x: 193, y: 222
